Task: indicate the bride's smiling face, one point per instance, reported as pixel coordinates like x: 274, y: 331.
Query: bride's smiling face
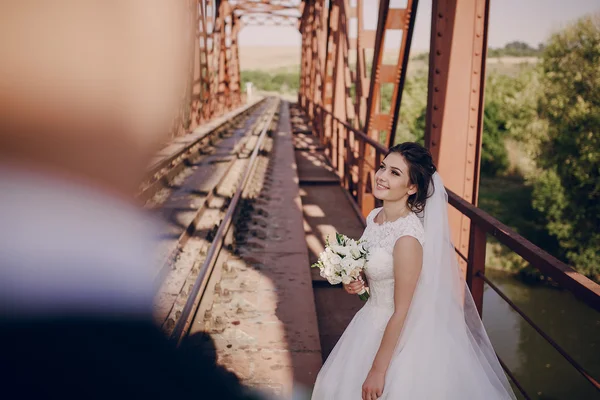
x: 392, y: 180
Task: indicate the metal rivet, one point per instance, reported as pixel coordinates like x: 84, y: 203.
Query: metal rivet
x: 435, y: 107
x: 439, y: 53
x: 437, y: 70
x: 434, y: 126
x: 439, y: 34
x: 437, y: 89
x: 440, y: 15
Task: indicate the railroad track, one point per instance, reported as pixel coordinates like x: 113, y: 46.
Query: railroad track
x: 201, y: 192
x: 161, y: 172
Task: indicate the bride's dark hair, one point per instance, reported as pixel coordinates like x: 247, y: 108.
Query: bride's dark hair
x: 420, y: 171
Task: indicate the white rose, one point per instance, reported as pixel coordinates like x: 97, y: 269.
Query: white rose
x: 346, y: 279
x: 355, y: 252
x: 329, y: 270
x: 335, y: 279
x: 323, y: 257
x: 363, y: 248
x: 355, y: 273
x: 335, y: 259
x: 347, y: 264
x: 346, y: 252
x: 360, y: 263
x: 337, y: 249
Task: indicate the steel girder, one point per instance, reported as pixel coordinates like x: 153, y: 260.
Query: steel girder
x: 214, y: 86
x: 455, y: 104
x: 342, y: 86
x: 215, y: 82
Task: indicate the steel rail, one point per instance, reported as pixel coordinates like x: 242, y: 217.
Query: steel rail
x: 184, y: 321
x: 174, y: 163
x: 191, y: 226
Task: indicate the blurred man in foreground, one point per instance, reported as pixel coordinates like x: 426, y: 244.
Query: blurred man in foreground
x: 88, y: 89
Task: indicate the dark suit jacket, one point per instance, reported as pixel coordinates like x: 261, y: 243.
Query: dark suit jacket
x: 85, y: 358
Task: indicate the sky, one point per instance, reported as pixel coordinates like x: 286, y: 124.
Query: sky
x: 530, y: 21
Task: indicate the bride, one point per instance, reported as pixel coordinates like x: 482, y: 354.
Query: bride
x: 419, y: 335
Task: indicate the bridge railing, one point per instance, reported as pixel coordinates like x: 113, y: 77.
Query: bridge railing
x: 347, y: 146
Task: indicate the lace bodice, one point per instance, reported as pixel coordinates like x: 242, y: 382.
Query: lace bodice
x: 380, y: 240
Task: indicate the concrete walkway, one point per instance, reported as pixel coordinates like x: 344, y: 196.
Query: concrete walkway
x: 263, y: 320
x: 326, y: 209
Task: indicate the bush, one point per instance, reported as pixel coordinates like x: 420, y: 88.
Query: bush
x: 277, y: 81
x: 567, y: 190
x: 515, y: 49
x: 494, y: 157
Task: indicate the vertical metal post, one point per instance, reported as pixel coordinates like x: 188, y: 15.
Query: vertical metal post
x: 319, y: 45
x: 455, y: 100
x: 381, y: 124
x: 305, y: 56
x: 330, y: 72
x: 234, y: 65
x: 476, y: 265
x: 390, y: 19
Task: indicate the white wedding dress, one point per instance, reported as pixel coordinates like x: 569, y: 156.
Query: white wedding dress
x: 443, y: 351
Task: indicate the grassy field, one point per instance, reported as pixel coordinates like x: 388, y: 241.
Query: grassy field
x: 288, y: 59
x: 277, y: 69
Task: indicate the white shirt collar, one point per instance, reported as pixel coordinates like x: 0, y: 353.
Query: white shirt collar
x: 66, y: 249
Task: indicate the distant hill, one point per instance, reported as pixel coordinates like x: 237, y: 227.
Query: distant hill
x: 288, y: 59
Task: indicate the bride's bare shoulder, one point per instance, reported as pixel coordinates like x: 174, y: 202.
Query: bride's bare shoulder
x: 372, y: 214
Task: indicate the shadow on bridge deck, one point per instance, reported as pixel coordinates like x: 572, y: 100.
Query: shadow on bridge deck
x: 326, y: 210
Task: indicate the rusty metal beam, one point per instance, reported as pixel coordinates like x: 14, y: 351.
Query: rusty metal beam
x: 381, y: 124
x: 319, y: 48
x: 214, y: 68
x: 455, y: 101
x: 267, y: 20
x: 361, y: 79
x: 305, y: 30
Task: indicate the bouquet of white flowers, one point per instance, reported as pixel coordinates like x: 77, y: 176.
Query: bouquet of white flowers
x: 343, y: 261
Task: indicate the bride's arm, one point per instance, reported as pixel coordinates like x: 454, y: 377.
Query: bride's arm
x: 408, y: 259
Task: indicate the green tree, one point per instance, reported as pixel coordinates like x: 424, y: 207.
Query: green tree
x: 271, y: 81
x: 567, y: 191
x: 411, y: 121
x: 494, y: 157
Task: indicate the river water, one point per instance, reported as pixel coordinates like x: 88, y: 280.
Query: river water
x: 540, y: 369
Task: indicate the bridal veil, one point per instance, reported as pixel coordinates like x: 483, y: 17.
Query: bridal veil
x: 444, y: 351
